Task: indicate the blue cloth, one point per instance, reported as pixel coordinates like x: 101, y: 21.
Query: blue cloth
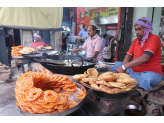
x: 83, y: 34
x: 146, y: 79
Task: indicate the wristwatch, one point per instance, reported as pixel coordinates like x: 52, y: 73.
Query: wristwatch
x: 123, y: 67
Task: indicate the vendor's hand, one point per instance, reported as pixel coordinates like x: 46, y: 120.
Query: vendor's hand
x: 119, y: 70
x: 74, y: 50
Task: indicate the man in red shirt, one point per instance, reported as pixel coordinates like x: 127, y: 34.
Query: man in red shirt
x: 36, y: 42
x: 64, y: 45
x: 146, y: 52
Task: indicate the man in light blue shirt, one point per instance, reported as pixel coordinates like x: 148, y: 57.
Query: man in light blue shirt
x: 84, y: 33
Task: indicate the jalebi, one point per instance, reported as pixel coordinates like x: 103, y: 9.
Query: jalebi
x: 15, y: 51
x: 33, y: 93
x: 81, y: 94
x: 39, y: 93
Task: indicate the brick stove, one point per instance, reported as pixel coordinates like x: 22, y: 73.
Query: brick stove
x: 95, y: 106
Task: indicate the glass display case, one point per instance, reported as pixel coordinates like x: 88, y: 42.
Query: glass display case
x: 73, y: 43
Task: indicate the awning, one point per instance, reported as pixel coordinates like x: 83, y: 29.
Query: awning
x: 31, y: 18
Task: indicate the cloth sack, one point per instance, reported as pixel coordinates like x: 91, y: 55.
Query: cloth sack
x: 5, y: 73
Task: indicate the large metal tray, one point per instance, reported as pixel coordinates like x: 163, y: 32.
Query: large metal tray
x: 18, y: 57
x: 45, y: 49
x: 29, y: 54
x: 107, y: 96
x: 66, y: 112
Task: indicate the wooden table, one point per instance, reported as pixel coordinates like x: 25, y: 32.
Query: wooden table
x: 21, y: 64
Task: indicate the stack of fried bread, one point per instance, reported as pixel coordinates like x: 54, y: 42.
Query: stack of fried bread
x: 78, y: 37
x: 28, y: 50
x: 48, y: 47
x: 42, y: 47
x: 108, y: 82
x: 15, y: 51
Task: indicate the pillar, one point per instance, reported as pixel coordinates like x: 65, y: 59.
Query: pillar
x: 26, y: 38
x: 156, y: 20
x: 56, y: 40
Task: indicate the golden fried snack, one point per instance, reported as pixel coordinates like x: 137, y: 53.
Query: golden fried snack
x: 117, y: 85
x: 130, y: 86
x: 116, y: 74
x: 91, y: 82
x: 92, y: 72
x: 123, y: 75
x: 48, y: 47
x: 100, y: 79
x: 130, y: 81
x: 95, y: 86
x: 108, y: 85
x: 84, y: 83
x: 27, y: 48
x: 85, y: 73
x: 28, y: 52
x: 109, y: 78
x: 109, y: 90
x: 101, y: 82
x: 79, y: 76
x: 126, y: 89
x: 105, y: 74
x: 89, y: 79
x: 40, y: 47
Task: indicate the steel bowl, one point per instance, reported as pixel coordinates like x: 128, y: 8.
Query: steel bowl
x: 135, y: 110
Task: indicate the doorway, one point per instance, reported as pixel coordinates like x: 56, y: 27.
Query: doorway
x: 17, y: 39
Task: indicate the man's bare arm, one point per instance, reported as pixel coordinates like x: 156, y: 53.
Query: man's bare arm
x: 138, y: 61
x: 75, y: 49
x: 127, y: 59
x: 95, y: 53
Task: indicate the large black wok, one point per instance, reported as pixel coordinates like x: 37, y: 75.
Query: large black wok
x: 68, y: 70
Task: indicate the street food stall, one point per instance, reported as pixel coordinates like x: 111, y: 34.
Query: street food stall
x: 77, y: 87
x: 38, y: 94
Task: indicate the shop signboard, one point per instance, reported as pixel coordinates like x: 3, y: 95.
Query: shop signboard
x: 103, y: 12
x: 97, y: 12
x: 112, y: 11
x: 111, y: 27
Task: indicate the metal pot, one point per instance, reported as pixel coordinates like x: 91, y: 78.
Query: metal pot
x: 68, y: 70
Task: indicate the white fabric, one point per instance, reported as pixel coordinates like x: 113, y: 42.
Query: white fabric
x: 36, y: 35
x: 31, y: 17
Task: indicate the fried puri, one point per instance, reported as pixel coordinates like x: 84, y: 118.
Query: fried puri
x: 117, y: 85
x: 89, y: 79
x: 79, y: 76
x: 129, y: 81
x: 109, y: 78
x: 95, y: 86
x: 92, y: 72
x: 123, y: 75
x: 101, y: 82
x: 109, y: 90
